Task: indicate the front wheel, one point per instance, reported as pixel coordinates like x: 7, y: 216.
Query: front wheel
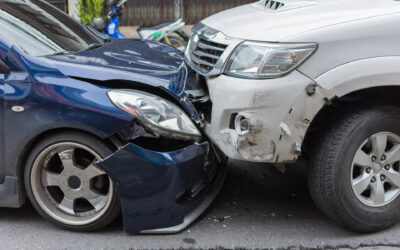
x: 65, y: 185
x: 355, y: 169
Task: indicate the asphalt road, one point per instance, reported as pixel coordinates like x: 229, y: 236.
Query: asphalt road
x: 257, y: 208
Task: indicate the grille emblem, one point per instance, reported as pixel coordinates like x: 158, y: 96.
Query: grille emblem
x: 208, y: 33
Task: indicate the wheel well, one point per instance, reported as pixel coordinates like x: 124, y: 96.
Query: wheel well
x: 327, y: 115
x: 34, y: 141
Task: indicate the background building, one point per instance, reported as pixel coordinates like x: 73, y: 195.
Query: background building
x: 152, y: 12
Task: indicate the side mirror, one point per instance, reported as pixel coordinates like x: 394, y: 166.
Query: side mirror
x: 4, y: 69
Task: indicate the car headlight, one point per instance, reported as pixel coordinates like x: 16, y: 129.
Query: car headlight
x: 155, y: 113
x: 267, y: 60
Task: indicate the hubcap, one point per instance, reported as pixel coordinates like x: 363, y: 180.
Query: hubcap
x: 375, y: 176
x: 74, y: 182
x: 69, y: 186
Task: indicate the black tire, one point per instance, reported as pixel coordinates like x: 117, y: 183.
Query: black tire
x: 331, y: 159
x: 98, y: 146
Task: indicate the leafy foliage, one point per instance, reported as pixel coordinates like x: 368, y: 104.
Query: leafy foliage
x: 89, y: 9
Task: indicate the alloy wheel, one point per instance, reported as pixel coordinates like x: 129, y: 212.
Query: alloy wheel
x: 69, y: 186
x: 375, y: 173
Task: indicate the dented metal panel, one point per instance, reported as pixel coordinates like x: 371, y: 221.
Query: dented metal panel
x: 155, y: 188
x: 278, y: 113
x: 295, y: 125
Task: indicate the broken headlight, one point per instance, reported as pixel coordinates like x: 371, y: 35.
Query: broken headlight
x: 267, y: 60
x: 157, y: 114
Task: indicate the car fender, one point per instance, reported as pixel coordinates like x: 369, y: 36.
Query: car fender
x: 338, y: 82
x: 50, y: 100
x: 47, y: 101
x: 361, y: 74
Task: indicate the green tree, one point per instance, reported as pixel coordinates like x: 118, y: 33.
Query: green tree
x: 89, y: 9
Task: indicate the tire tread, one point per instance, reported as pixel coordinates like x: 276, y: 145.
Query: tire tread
x: 324, y: 160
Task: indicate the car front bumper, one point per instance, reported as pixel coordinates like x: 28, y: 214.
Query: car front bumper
x: 277, y: 113
x: 164, y: 192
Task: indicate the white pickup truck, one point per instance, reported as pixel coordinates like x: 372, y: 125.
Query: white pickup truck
x: 318, y: 79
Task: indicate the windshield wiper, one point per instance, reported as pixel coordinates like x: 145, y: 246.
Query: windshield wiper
x: 93, y: 46
x: 62, y: 53
x: 98, y: 34
x: 90, y: 46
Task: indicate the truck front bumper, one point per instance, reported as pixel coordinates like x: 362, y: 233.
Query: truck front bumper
x: 262, y: 120
x: 164, y: 192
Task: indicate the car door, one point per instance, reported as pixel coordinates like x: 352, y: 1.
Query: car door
x: 29, y: 29
x: 15, y: 123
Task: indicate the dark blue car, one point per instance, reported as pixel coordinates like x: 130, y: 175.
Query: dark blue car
x: 92, y: 126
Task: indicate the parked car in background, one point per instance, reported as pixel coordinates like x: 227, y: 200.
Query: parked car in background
x: 317, y: 79
x: 92, y: 126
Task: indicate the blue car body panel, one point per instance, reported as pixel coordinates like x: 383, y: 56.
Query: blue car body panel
x: 68, y: 92
x: 149, y: 197
x: 127, y: 59
x: 51, y: 100
x: 134, y: 61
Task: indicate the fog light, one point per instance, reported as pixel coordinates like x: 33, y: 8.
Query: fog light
x: 242, y: 125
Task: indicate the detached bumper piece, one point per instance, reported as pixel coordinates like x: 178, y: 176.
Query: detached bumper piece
x: 164, y: 192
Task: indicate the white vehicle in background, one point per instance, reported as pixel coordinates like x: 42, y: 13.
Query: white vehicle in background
x: 313, y: 78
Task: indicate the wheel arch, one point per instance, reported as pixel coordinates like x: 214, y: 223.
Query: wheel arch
x: 381, y: 95
x: 361, y: 74
x: 366, y: 81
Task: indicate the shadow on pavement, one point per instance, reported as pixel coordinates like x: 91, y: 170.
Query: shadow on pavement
x: 257, y: 207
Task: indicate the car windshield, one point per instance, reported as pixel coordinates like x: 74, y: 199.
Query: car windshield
x: 40, y: 29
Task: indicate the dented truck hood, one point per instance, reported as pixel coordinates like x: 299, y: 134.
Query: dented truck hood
x: 280, y: 21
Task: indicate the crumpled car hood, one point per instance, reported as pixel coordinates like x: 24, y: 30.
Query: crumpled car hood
x: 146, y: 62
x: 262, y: 22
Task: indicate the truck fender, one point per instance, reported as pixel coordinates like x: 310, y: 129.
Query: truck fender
x: 361, y: 74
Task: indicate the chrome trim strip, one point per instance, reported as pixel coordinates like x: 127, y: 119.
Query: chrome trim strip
x: 207, y: 46
x: 200, y: 61
x: 201, y: 53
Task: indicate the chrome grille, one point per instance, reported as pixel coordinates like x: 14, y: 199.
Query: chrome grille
x: 208, y: 50
x: 205, y: 54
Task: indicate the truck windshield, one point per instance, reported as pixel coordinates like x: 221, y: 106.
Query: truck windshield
x: 40, y: 29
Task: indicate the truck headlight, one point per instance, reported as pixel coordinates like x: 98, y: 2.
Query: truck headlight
x: 155, y: 113
x: 267, y: 60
